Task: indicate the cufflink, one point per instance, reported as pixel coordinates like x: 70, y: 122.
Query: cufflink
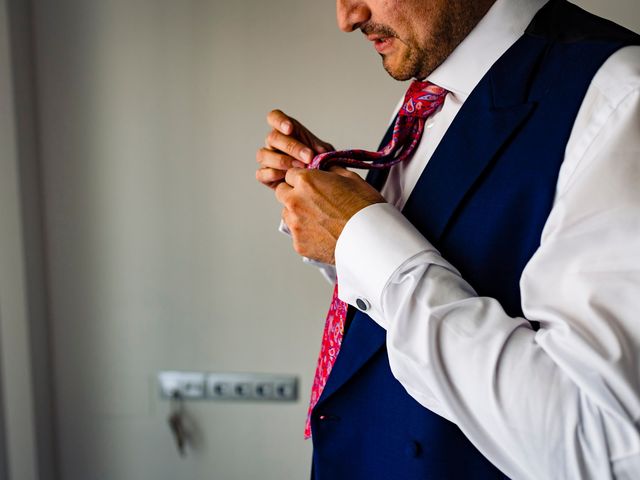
x: 363, y: 304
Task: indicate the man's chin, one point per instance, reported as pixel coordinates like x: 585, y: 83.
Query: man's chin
x: 396, y: 71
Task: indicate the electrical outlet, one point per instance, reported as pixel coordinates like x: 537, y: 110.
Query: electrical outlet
x: 223, y: 386
x: 264, y: 390
x: 251, y: 386
x: 285, y: 390
x: 220, y: 389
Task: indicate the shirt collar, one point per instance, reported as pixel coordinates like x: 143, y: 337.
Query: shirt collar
x: 499, y: 29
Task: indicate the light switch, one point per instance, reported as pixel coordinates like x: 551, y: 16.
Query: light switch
x: 190, y: 385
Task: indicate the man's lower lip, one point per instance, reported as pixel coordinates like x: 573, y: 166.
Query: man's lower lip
x: 382, y: 44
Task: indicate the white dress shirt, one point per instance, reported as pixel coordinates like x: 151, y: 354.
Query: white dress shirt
x: 563, y: 402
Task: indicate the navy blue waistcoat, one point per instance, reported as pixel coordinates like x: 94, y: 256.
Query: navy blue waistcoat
x: 482, y: 200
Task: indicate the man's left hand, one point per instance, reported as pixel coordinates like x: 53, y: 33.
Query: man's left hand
x: 317, y: 206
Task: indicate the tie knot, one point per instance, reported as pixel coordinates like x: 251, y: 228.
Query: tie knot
x: 422, y: 99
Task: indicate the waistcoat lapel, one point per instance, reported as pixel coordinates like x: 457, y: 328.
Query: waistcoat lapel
x: 488, y: 119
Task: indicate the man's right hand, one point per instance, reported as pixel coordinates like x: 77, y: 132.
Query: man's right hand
x: 289, y: 144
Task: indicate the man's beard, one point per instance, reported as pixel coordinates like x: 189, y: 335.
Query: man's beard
x: 449, y: 31
x: 414, y: 64
x: 416, y: 61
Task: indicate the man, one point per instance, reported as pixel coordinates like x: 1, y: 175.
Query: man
x: 496, y: 274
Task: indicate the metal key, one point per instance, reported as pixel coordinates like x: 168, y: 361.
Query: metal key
x: 176, y: 423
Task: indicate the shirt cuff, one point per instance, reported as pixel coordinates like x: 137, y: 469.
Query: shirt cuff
x: 373, y: 245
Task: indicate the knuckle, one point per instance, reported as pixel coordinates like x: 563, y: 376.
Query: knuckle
x: 275, y: 160
x: 305, y: 176
x: 292, y: 221
x: 307, y: 180
x: 284, y: 161
x: 292, y: 146
x: 292, y: 204
x: 272, y: 137
x: 281, y: 190
x: 297, y: 246
x: 263, y: 176
x: 273, y: 175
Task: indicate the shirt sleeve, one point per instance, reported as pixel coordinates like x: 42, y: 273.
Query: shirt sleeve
x: 562, y: 402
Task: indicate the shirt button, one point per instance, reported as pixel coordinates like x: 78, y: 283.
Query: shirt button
x: 363, y: 304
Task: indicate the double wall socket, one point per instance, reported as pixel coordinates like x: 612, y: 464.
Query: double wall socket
x: 229, y: 386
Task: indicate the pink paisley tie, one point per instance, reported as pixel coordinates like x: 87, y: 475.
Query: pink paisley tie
x: 420, y: 101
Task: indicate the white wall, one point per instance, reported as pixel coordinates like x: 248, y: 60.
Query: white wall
x: 162, y: 250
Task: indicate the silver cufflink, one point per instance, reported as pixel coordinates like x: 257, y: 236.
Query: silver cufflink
x: 363, y: 304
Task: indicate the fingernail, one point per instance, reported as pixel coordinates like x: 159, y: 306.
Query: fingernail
x: 297, y: 164
x: 286, y: 126
x: 306, y: 154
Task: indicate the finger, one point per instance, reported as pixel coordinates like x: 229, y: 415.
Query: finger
x: 269, y: 175
x: 280, y: 121
x: 272, y: 159
x: 293, y: 176
x: 314, y: 142
x: 290, y: 146
x: 289, y: 126
x: 282, y: 192
x: 321, y: 147
x: 273, y: 185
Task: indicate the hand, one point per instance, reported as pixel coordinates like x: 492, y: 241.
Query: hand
x: 317, y: 206
x: 288, y: 145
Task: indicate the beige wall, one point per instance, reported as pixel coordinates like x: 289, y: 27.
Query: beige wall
x: 162, y: 250
x: 624, y: 12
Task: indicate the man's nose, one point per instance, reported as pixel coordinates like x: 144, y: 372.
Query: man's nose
x: 351, y: 14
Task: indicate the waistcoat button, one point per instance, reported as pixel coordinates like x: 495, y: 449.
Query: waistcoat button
x: 413, y: 449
